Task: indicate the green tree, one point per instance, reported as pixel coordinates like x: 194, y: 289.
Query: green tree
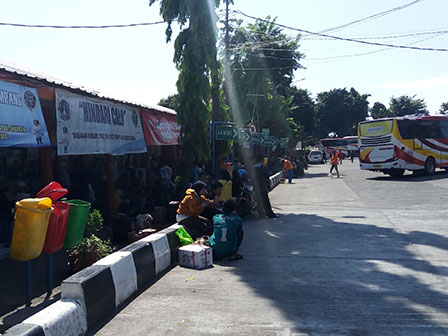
x: 443, y: 108
x: 405, y: 105
x: 169, y: 102
x: 195, y: 57
x: 302, y: 110
x: 379, y: 111
x: 339, y: 111
x: 262, y: 62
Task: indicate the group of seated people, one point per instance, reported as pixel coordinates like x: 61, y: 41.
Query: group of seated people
x: 212, y: 216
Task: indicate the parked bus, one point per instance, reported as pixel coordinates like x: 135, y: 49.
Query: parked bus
x: 334, y: 144
x: 352, y: 143
x: 393, y: 145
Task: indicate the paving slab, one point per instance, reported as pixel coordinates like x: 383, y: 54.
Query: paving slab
x: 359, y: 255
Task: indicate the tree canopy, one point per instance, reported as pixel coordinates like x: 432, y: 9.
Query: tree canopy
x: 339, y: 111
x: 195, y: 57
x: 379, y: 110
x: 405, y: 105
x: 443, y: 108
x: 262, y: 62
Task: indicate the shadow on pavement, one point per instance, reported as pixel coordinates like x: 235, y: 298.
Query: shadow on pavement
x: 344, y: 278
x: 13, y: 287
x: 411, y: 177
x: 314, y: 175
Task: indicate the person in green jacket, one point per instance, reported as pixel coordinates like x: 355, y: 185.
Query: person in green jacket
x: 227, y: 233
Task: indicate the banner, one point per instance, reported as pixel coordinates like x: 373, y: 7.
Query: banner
x: 160, y: 129
x: 88, y: 125
x: 21, y: 121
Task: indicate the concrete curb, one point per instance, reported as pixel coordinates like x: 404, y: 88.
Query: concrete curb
x: 275, y: 179
x: 96, y: 292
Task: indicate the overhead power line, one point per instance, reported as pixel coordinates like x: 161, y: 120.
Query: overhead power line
x: 385, y: 37
x: 127, y: 25
x: 371, y: 17
x: 342, y: 38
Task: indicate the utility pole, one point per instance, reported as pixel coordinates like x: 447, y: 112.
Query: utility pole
x: 227, y: 38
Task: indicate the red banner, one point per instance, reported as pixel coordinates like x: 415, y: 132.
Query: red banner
x: 160, y: 128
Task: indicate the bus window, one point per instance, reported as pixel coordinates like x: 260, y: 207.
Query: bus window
x: 427, y: 129
x: 444, y: 129
x: 406, y: 128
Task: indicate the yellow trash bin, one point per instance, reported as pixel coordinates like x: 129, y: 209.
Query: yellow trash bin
x: 30, y: 228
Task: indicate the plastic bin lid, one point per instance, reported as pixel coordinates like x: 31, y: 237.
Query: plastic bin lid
x: 53, y: 190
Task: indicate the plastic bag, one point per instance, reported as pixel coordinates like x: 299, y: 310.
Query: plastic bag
x: 184, y: 237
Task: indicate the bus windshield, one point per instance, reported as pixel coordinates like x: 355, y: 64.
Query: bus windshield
x: 333, y: 142
x: 376, y: 128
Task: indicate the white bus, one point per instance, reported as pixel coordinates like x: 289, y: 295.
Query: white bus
x: 352, y: 143
x: 393, y: 145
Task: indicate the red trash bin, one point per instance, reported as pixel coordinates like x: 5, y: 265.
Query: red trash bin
x: 57, y: 226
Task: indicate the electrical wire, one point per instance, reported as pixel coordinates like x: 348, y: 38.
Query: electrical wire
x: 368, y: 18
x: 385, y: 37
x: 81, y: 27
x: 344, y: 39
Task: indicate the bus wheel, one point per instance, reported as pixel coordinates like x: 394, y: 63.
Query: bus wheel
x: 396, y: 173
x: 430, y: 166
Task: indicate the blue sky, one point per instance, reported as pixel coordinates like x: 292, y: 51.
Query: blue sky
x: 136, y: 63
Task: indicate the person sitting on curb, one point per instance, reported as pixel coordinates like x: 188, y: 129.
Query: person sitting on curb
x: 227, y: 234
x: 190, y: 209
x: 334, y: 163
x: 216, y: 191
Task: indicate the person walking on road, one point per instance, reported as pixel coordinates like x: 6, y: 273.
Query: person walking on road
x: 340, y: 156
x: 262, y: 188
x: 334, y: 160
x: 287, y: 166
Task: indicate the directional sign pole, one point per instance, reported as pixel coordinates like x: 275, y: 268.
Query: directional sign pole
x: 213, y: 131
x: 221, y: 130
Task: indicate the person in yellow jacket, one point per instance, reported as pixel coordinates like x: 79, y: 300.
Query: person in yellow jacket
x: 190, y: 209
x: 288, y: 167
x: 334, y: 163
x: 226, y: 182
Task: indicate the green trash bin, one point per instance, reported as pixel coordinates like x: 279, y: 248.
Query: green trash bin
x: 76, y: 222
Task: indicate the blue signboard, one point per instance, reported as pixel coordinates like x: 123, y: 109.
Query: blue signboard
x: 21, y: 120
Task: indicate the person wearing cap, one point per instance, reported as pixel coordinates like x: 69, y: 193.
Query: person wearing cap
x: 190, y: 209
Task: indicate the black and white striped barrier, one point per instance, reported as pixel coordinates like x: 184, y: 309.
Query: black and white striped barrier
x: 275, y: 179
x: 96, y: 292
x: 64, y: 317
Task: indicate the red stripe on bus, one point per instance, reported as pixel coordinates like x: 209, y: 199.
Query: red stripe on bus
x: 433, y: 146
x: 444, y: 141
x: 408, y: 158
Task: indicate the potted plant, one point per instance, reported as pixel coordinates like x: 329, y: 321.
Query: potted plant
x: 91, y: 248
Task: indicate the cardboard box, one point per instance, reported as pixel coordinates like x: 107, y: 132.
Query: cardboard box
x: 195, y: 256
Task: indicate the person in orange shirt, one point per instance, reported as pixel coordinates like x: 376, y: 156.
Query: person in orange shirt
x: 191, y: 208
x: 287, y: 166
x: 334, y: 163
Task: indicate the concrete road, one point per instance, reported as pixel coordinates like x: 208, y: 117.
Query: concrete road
x: 359, y: 255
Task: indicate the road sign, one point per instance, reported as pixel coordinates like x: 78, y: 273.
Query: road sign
x: 270, y: 141
x: 243, y: 135
x: 252, y: 128
x: 257, y: 139
x: 283, y: 142
x: 226, y: 132
x: 265, y: 131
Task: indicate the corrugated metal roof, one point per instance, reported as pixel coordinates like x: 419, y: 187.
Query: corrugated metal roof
x: 20, y: 70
